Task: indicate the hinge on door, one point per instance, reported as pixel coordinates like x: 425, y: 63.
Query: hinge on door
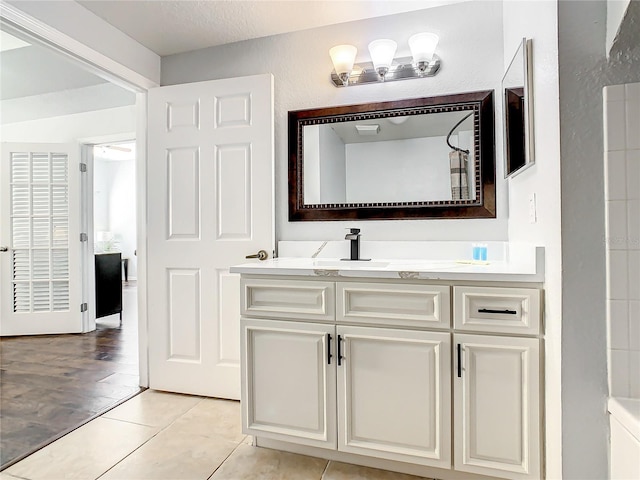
x: 84, y: 237
x: 83, y: 167
x: 84, y: 307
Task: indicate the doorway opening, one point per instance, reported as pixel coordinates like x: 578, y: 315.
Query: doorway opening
x: 52, y: 383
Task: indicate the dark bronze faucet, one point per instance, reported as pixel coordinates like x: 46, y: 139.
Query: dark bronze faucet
x: 354, y: 236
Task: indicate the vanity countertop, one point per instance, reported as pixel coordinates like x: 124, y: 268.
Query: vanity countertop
x: 381, y: 268
x: 509, y: 262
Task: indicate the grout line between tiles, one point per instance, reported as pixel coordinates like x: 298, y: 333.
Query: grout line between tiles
x: 11, y: 475
x: 225, y: 459
x: 130, y: 422
x: 326, y: 467
x: 161, y: 429
x: 153, y: 426
x: 130, y: 453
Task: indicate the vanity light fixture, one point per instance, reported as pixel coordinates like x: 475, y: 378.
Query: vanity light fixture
x: 343, y: 57
x: 384, y: 67
x: 423, y: 46
x: 382, y: 52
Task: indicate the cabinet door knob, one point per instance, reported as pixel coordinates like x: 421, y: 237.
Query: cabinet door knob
x: 339, y: 350
x: 261, y: 255
x: 4, y: 249
x: 329, y: 349
x: 459, y: 360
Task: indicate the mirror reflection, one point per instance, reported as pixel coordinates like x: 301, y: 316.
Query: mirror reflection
x: 417, y: 158
x: 516, y: 87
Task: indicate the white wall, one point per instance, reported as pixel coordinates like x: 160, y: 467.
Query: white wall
x: 65, y: 102
x: 311, y: 185
x: 622, y: 213
x: 407, y: 170
x: 72, y: 128
x: 102, y: 181
x: 539, y: 21
x: 115, y: 205
x: 333, y: 171
x: 301, y: 66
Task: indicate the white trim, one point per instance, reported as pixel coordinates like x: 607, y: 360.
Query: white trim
x: 112, y: 138
x: 141, y: 237
x: 86, y: 225
x: 86, y: 144
x: 91, y: 59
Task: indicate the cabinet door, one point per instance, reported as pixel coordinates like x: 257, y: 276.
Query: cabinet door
x: 289, y: 381
x: 497, y: 406
x: 394, y: 394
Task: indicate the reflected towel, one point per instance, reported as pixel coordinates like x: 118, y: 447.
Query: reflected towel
x: 458, y: 164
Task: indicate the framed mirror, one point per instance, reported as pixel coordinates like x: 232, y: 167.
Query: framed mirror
x: 431, y: 157
x: 517, y: 98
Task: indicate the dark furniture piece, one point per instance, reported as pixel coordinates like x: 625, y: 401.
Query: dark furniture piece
x: 108, y: 284
x: 125, y: 267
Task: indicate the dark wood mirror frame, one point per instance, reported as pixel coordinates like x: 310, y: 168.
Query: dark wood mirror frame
x: 482, y: 206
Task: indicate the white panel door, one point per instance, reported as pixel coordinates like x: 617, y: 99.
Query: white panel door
x: 496, y: 405
x: 40, y: 281
x: 289, y: 381
x: 394, y: 394
x: 210, y: 204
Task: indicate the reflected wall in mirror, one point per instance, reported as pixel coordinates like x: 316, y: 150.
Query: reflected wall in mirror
x: 418, y: 158
x: 517, y: 100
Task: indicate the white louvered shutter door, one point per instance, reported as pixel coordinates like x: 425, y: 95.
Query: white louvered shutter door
x: 40, y: 226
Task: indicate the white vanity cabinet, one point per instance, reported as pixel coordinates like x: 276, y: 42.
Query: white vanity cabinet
x: 288, y: 381
x: 496, y: 386
x: 496, y: 392
x: 444, y: 377
x: 394, y: 394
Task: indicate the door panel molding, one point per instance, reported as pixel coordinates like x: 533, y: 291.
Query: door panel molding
x: 210, y: 197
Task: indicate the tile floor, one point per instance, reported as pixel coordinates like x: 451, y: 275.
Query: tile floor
x: 165, y: 436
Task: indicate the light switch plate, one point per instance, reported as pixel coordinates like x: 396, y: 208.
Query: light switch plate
x: 532, y: 208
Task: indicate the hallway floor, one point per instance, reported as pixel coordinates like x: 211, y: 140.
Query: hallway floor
x: 158, y: 435
x: 50, y: 384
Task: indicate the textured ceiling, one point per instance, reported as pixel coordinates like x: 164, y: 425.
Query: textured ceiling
x: 169, y: 27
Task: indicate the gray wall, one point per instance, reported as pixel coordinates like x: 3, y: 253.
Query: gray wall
x: 584, y: 71
x: 301, y: 67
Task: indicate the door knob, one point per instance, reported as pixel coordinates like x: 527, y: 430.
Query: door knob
x: 261, y: 255
x: 3, y: 249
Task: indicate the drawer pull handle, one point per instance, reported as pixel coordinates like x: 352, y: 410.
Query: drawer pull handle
x: 503, y: 312
x: 329, y: 349
x: 459, y: 360
x: 339, y: 350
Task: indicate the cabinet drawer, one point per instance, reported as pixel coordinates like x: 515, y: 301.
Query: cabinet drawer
x: 288, y: 299
x: 394, y: 304
x: 497, y: 310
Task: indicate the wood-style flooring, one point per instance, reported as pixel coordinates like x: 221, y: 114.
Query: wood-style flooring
x: 51, y: 384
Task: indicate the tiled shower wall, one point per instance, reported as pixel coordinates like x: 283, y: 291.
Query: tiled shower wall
x: 622, y: 196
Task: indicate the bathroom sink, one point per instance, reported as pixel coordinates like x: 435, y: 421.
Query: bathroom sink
x: 350, y: 264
